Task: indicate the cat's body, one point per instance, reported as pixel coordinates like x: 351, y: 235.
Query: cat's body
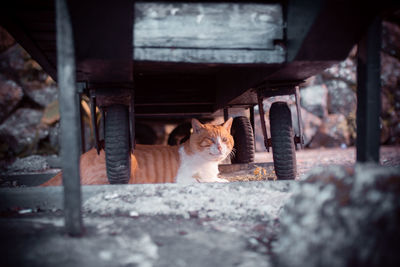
x: 194, y: 161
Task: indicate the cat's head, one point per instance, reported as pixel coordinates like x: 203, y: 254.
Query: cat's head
x: 212, y: 142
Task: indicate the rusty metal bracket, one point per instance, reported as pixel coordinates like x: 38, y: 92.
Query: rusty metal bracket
x: 267, y: 142
x: 283, y: 88
x: 300, y: 138
x: 132, y: 122
x: 93, y: 115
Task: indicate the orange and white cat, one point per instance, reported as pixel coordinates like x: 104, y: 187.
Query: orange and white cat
x: 196, y: 160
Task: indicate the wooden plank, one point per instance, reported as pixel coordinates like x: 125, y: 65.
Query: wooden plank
x: 159, y: 104
x: 182, y: 109
x: 207, y: 25
x: 226, y: 56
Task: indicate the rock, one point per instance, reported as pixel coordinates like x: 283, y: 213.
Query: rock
x: 33, y: 163
x: 395, y: 134
x: 385, y: 132
x: 333, y: 132
x: 341, y: 97
x: 40, y: 93
x: 13, y: 59
x: 310, y: 123
x: 10, y: 95
x: 390, y: 99
x: 345, y: 71
x: 314, y: 99
x: 390, y: 71
x: 51, y: 113
x: 342, y: 217
x: 391, y: 39
x: 22, y: 130
x: 54, y: 135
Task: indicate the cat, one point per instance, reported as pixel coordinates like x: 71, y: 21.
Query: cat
x: 196, y: 160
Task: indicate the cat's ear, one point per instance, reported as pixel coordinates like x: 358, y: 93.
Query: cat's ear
x: 196, y: 126
x: 228, y: 124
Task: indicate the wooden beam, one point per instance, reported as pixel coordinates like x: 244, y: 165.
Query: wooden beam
x: 225, y: 56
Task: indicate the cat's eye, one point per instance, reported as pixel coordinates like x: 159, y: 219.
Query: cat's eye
x: 224, y: 139
x: 207, y: 142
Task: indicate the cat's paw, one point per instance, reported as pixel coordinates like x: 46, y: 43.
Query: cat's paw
x: 213, y: 180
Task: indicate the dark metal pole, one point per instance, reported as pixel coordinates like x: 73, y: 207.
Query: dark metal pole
x: 70, y: 126
x: 369, y: 94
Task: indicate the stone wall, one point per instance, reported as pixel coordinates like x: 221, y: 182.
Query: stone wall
x: 25, y: 92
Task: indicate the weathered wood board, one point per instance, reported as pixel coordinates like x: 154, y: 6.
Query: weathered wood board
x: 232, y: 56
x: 233, y: 33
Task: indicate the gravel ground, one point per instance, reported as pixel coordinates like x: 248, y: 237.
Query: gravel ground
x: 231, y: 224
x: 308, y: 159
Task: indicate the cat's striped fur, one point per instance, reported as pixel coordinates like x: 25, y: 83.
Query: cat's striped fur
x: 195, y: 160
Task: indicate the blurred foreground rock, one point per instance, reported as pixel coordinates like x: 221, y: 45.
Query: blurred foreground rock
x: 342, y: 216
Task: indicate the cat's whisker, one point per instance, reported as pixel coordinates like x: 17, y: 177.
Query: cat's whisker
x: 232, y: 154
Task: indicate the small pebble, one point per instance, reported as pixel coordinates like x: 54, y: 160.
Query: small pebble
x: 133, y: 213
x: 253, y: 242
x: 25, y: 211
x: 111, y: 196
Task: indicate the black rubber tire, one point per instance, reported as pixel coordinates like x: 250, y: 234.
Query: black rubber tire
x: 117, y: 145
x: 283, y: 147
x: 242, y: 133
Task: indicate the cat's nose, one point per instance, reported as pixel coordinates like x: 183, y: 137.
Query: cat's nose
x: 219, y: 148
